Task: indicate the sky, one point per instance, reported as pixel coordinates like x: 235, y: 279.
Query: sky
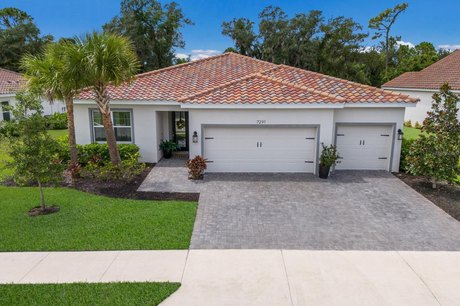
x: 425, y: 20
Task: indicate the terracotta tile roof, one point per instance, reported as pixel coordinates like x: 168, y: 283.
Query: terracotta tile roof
x: 432, y: 77
x: 233, y: 78
x: 10, y: 81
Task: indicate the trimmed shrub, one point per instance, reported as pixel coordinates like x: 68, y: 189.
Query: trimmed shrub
x: 196, y: 167
x: 56, y: 121
x: 408, y: 123
x: 105, y: 171
x: 417, y: 125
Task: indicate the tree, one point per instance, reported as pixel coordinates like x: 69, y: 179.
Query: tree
x: 273, y: 31
x: 104, y: 60
x: 241, y: 31
x: 153, y: 28
x: 436, y: 153
x: 49, y: 74
x: 18, y: 36
x: 31, y: 147
x: 382, y: 25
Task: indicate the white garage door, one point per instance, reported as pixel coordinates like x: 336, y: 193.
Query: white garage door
x: 260, y: 149
x: 363, y: 147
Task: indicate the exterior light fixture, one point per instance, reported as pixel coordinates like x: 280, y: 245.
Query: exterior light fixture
x: 195, y: 137
x: 400, y: 134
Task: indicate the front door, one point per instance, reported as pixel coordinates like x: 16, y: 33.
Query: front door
x: 180, y: 130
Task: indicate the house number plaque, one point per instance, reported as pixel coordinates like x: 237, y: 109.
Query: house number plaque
x: 261, y: 121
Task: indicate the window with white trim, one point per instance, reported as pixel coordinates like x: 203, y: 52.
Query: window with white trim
x: 122, y: 124
x: 6, y: 115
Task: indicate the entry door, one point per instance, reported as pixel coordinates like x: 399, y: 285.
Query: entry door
x: 260, y: 149
x: 364, y: 147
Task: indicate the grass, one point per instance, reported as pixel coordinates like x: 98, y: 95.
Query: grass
x: 411, y: 133
x: 87, y: 294
x: 90, y: 222
x: 57, y: 133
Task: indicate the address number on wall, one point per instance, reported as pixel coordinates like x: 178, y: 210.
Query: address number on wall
x: 261, y: 121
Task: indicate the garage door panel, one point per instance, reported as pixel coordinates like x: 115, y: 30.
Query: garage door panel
x: 260, y: 149
x: 363, y: 147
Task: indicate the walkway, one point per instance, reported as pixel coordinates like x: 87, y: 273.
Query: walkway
x: 257, y: 277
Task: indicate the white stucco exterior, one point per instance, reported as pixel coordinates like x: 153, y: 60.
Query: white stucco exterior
x: 48, y: 108
x: 418, y: 113
x: 152, y: 123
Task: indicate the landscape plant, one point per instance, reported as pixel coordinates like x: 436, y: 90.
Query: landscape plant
x: 436, y: 153
x: 32, y: 149
x: 105, y: 60
x: 196, y: 167
x: 328, y: 158
x: 168, y: 146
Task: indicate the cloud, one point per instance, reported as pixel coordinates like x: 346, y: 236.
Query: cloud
x: 449, y: 47
x: 181, y: 55
x: 200, y: 54
x: 405, y: 43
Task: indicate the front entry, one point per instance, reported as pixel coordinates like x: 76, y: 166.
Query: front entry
x: 180, y: 130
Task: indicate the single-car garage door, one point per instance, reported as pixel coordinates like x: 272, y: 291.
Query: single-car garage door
x: 364, y: 147
x: 260, y: 148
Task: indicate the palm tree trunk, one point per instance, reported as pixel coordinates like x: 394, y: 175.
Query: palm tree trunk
x: 42, y: 196
x: 71, y: 127
x: 102, y: 101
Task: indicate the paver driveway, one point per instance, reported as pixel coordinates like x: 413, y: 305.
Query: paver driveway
x: 353, y: 210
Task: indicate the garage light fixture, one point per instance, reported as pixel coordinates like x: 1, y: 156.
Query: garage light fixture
x: 195, y: 137
x: 400, y: 134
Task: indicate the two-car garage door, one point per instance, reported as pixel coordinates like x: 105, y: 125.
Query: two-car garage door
x: 260, y: 148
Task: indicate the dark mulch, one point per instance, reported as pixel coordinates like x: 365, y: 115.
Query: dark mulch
x: 128, y: 190
x: 39, y: 211
x: 446, y: 197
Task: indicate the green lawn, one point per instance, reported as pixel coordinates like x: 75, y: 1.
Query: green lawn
x: 87, y: 294
x: 57, y: 133
x: 411, y: 133
x: 90, y: 222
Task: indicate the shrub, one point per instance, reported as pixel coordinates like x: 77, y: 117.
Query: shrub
x: 92, y: 151
x: 56, y: 121
x: 417, y: 125
x: 408, y: 123
x: 106, y: 171
x: 196, y: 167
x: 405, y: 149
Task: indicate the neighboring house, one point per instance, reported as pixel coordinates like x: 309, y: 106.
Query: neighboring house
x: 423, y: 84
x: 10, y: 83
x: 247, y: 115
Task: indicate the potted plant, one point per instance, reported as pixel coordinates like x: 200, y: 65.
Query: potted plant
x: 168, y: 146
x: 328, y: 158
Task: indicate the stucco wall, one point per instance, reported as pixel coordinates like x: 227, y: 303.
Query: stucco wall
x: 48, y: 109
x: 418, y: 113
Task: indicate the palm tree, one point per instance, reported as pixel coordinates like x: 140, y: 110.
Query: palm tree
x: 48, y: 75
x: 106, y: 59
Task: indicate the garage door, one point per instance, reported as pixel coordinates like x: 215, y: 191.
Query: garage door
x: 260, y: 149
x: 364, y: 147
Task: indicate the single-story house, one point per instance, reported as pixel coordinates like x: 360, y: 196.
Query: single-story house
x: 10, y: 83
x: 248, y: 115
x: 423, y: 84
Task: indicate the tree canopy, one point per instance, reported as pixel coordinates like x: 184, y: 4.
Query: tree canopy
x: 18, y: 36
x: 153, y: 28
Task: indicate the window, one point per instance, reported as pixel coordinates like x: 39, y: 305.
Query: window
x: 122, y: 124
x: 5, y: 112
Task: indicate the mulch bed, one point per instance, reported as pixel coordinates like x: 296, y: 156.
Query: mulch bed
x: 128, y: 190
x: 446, y: 197
x: 38, y: 211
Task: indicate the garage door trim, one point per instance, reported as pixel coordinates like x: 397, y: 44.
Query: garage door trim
x: 236, y: 125
x: 390, y: 124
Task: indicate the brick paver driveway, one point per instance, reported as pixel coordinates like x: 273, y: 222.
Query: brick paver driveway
x: 353, y: 210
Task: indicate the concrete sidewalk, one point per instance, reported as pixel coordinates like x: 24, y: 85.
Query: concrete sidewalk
x: 257, y: 277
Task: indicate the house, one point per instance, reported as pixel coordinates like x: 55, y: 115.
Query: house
x: 423, y: 84
x: 10, y: 83
x: 248, y: 115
